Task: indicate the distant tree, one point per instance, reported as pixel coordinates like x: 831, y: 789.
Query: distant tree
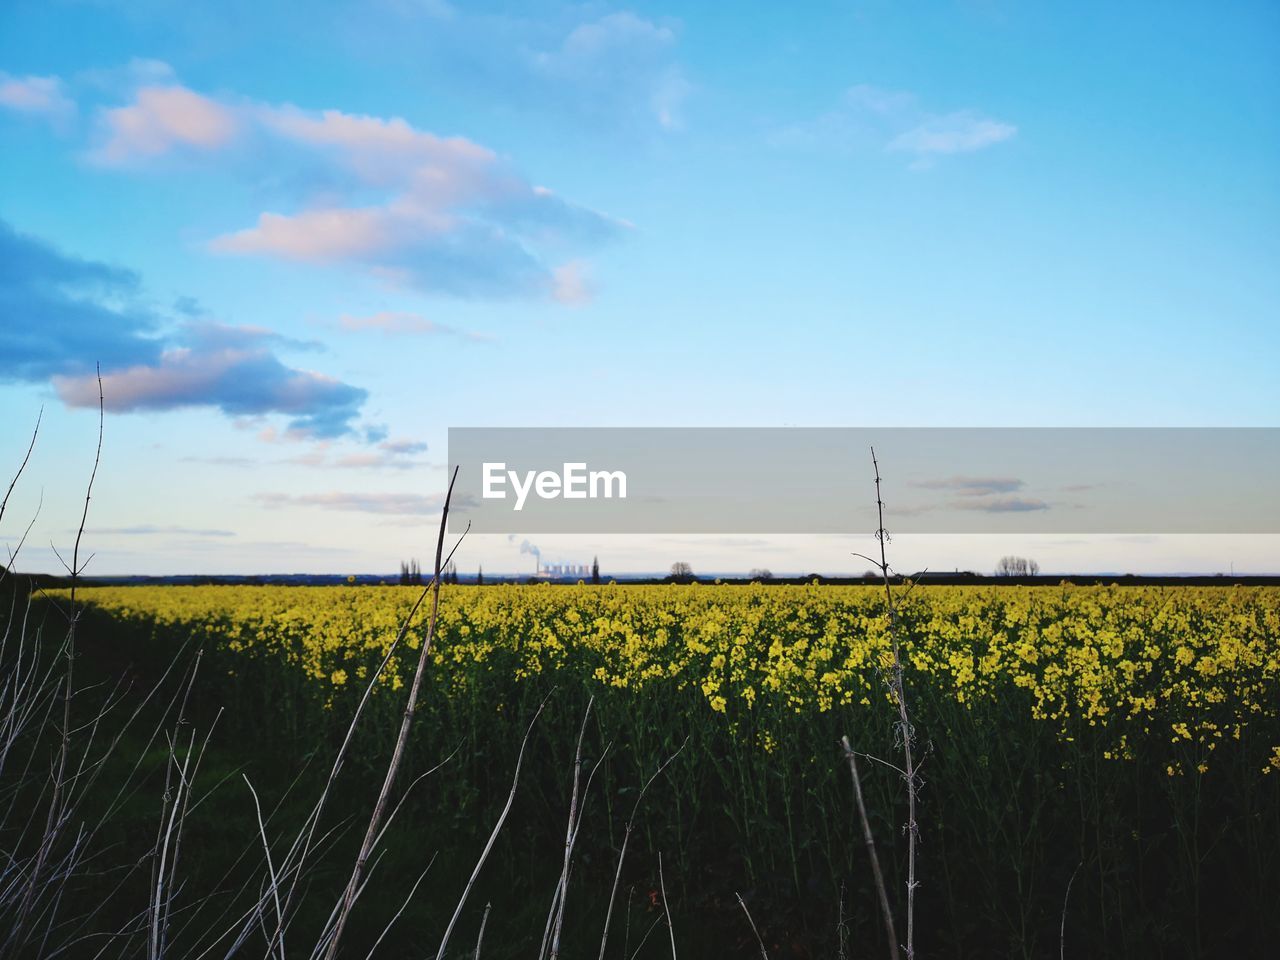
x: 1017, y: 567
x: 681, y: 571
x: 595, y: 570
x: 410, y: 574
x: 760, y: 573
x: 480, y: 577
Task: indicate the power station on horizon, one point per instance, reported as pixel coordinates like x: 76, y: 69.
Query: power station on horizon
x: 560, y: 569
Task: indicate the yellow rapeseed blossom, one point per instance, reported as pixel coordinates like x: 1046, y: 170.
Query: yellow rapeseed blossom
x: 1129, y: 662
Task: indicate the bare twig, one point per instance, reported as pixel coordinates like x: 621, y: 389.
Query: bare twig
x: 266, y: 849
x: 842, y: 929
x: 555, y: 919
x: 177, y: 816
x: 31, y: 446
x: 884, y: 763
x: 480, y: 936
x: 622, y: 853
x: 906, y: 732
x: 1062, y: 933
x: 56, y: 816
x: 397, y: 754
x: 22, y: 541
x: 390, y: 923
x: 882, y: 891
x: 643, y: 940
x: 302, y: 845
x: 497, y: 828
x: 764, y: 954
x: 666, y: 908
x: 557, y: 898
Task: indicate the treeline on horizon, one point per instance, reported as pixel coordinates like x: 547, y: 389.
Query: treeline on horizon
x: 924, y: 578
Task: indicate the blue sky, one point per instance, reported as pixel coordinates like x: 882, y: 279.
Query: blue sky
x: 305, y: 239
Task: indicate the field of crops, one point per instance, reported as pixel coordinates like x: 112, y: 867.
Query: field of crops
x: 1129, y: 737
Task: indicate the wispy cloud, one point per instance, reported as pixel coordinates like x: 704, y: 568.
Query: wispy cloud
x: 404, y: 447
x: 442, y: 214
x: 77, y: 314
x: 388, y: 454
x: 239, y: 381
x: 397, y: 504
x: 617, y: 73
x: 148, y: 530
x: 221, y: 461
x: 973, y: 486
x: 394, y: 323
x: 571, y: 284
x: 1001, y: 505
x: 982, y: 494
x: 44, y: 97
x: 327, y: 454
x: 436, y: 9
x: 870, y: 117
x: 621, y: 59
x: 963, y: 131
x: 162, y: 119
x: 379, y: 460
